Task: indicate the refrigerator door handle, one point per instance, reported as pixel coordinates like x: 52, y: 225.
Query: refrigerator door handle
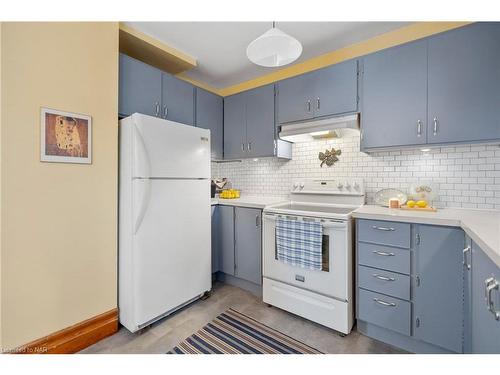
x: 142, y: 198
x: 143, y: 167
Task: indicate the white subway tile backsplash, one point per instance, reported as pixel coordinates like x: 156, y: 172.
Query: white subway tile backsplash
x: 467, y: 176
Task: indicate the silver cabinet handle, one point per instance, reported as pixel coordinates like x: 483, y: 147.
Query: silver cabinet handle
x: 242, y: 147
x: 157, y: 109
x: 387, y: 229
x: 490, y: 285
x: 165, y: 111
x: 385, y: 278
x: 419, y: 128
x: 308, y: 106
x: 249, y: 146
x: 383, y: 303
x: 318, y: 103
x: 257, y: 221
x: 464, y: 257
x: 435, y: 128
x: 383, y: 253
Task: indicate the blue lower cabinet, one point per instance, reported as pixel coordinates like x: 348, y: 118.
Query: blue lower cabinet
x: 226, y: 239
x: 439, y: 289
x: 485, y: 303
x: 380, y: 309
x: 410, y: 285
x: 248, y: 248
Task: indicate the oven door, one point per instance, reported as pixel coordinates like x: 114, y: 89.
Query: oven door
x: 335, y: 278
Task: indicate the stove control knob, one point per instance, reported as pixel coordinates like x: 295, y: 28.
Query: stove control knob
x: 356, y: 186
x: 295, y: 186
x: 301, y: 185
x: 347, y: 185
x: 339, y: 185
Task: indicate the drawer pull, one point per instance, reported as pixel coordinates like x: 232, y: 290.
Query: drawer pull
x: 386, y: 229
x: 383, y: 253
x: 383, y: 303
x: 385, y: 278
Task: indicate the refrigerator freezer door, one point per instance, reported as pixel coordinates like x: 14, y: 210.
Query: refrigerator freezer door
x: 163, y: 148
x: 172, y: 251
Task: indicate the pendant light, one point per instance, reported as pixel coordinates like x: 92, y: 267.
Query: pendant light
x: 274, y: 48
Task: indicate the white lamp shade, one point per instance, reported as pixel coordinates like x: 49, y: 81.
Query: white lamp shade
x: 274, y: 48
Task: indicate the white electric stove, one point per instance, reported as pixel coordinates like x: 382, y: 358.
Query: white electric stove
x: 324, y: 296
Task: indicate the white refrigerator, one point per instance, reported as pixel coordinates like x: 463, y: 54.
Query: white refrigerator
x: 164, y: 259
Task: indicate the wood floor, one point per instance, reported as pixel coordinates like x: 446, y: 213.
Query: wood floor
x: 165, y: 334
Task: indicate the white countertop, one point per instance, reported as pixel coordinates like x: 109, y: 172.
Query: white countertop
x: 482, y: 226
x: 250, y: 201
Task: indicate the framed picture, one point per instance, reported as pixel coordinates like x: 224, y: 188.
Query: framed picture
x: 65, y: 137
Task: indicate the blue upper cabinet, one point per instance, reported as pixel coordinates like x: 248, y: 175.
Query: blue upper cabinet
x: 464, y: 84
x: 438, y: 299
x: 335, y: 89
x: 485, y: 325
x: 249, y: 124
x: 326, y: 92
x: 394, y: 105
x: 260, y: 122
x: 294, y: 99
x: 210, y: 115
x: 177, y: 100
x: 235, y: 126
x: 140, y: 88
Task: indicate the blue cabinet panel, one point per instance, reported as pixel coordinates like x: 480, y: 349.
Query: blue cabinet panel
x: 388, y: 312
x: 384, y: 257
x: 394, y: 90
x: 234, y: 126
x: 438, y: 300
x: 248, y: 247
x: 177, y: 100
x: 216, y: 228
x: 260, y: 126
x: 385, y: 282
x: 139, y: 89
x: 485, y: 327
x: 295, y: 99
x: 384, y: 232
x: 226, y: 239
x: 464, y: 84
x: 210, y: 115
x: 335, y: 89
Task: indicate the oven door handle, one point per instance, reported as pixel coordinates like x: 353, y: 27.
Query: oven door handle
x: 325, y: 224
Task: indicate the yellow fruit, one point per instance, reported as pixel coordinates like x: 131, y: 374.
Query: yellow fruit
x: 410, y: 204
x: 422, y: 204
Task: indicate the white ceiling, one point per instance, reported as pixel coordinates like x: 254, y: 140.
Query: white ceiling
x: 220, y: 47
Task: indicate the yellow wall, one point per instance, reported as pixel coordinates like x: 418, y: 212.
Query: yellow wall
x: 59, y: 249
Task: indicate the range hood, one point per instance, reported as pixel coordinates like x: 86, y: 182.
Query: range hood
x: 333, y: 127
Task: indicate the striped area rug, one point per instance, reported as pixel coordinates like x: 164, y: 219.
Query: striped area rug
x: 235, y: 333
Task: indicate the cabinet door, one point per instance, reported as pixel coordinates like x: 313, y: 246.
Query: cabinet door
x: 394, y: 91
x: 226, y: 239
x: 177, y: 100
x: 216, y: 230
x: 140, y: 88
x: 464, y: 84
x: 260, y: 128
x: 336, y: 89
x: 248, y: 236
x: 485, y: 328
x: 210, y: 115
x: 295, y: 99
x: 438, y: 300
x: 234, y: 126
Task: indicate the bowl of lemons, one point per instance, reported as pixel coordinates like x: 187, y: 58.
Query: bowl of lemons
x: 229, y: 194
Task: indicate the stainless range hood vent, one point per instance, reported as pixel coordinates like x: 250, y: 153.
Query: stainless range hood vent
x: 320, y: 129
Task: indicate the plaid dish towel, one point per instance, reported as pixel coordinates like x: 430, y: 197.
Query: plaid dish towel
x: 299, y: 243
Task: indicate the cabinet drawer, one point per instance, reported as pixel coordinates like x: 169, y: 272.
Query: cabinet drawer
x: 390, y: 283
x: 384, y: 311
x: 384, y: 257
x: 384, y: 232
